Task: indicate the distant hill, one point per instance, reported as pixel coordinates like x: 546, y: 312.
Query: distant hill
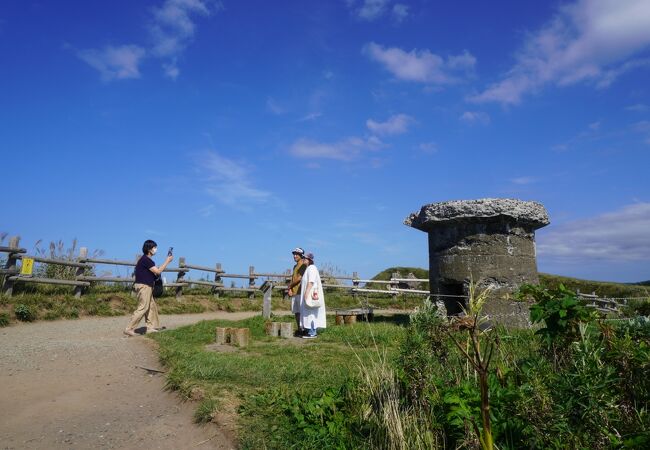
x: 601, y: 288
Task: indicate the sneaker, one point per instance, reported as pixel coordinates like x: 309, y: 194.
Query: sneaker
x: 152, y: 330
x: 309, y: 336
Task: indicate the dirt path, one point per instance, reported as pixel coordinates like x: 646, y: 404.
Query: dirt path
x: 74, y: 385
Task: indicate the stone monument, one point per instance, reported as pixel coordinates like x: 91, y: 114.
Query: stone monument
x: 489, y: 241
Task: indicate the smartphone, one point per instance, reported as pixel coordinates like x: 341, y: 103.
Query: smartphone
x: 170, y: 251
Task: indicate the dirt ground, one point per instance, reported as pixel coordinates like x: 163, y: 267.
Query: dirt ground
x: 74, y: 384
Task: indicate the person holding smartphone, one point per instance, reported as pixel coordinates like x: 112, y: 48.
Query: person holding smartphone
x: 146, y: 273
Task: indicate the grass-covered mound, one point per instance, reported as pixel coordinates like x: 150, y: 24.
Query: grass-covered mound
x: 601, y: 288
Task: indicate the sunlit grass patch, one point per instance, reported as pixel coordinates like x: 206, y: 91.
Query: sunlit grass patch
x: 272, y: 373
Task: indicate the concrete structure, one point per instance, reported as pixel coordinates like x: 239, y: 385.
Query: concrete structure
x: 490, y: 241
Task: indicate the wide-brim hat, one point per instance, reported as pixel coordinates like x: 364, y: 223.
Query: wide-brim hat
x: 298, y: 251
x: 310, y: 256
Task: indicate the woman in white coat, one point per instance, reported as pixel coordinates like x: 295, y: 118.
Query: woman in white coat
x: 312, y: 300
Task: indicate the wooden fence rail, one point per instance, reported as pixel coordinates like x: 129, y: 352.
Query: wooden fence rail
x: 81, y: 281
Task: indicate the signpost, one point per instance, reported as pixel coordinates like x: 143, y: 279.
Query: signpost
x: 267, y: 289
x: 27, y: 268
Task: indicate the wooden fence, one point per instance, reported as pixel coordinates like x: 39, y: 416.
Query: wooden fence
x: 15, y: 253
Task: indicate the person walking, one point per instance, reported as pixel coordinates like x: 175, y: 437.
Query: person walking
x: 294, y: 285
x: 145, y: 277
x: 311, y: 291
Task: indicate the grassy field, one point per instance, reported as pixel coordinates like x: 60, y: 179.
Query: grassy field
x: 273, y: 382
x: 403, y: 382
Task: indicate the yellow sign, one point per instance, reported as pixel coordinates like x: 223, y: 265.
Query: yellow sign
x: 27, y: 267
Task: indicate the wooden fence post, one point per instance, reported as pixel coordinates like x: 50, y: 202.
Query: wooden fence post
x: 10, y: 265
x: 355, y: 283
x: 217, y: 279
x: 83, y: 254
x: 394, y: 284
x: 180, y: 278
x: 251, y: 282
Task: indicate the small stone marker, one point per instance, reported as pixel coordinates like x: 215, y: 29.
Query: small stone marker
x: 286, y: 329
x: 240, y: 337
x: 233, y: 336
x: 350, y: 320
x: 282, y: 329
x: 221, y: 335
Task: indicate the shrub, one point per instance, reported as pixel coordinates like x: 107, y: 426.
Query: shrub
x: 637, y: 307
x: 25, y: 313
x: 4, y: 319
x: 561, y: 313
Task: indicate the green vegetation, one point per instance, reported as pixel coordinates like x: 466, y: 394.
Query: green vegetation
x: 600, y: 288
x: 51, y: 306
x: 5, y: 319
x: 575, y: 382
x: 25, y: 313
x: 293, y: 388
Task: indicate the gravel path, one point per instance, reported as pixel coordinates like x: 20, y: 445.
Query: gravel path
x: 73, y: 384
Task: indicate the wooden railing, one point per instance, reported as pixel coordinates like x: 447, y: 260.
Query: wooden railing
x: 82, y: 263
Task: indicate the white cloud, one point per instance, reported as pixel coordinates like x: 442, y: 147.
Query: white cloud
x: 396, y: 124
x: 421, y: 65
x: 595, y: 126
x: 400, y: 12
x: 344, y: 150
x: 274, y: 107
x: 475, y: 117
x: 172, y: 29
x: 589, y: 40
x: 171, y: 70
x: 206, y: 211
x: 524, y: 180
x: 228, y: 182
x: 310, y: 117
x: 368, y: 9
x: 115, y: 63
x: 639, y: 107
x: 616, y: 236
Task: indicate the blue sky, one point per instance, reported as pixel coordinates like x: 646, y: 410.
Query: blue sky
x: 235, y: 131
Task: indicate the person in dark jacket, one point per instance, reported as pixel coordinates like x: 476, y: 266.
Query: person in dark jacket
x: 145, y: 276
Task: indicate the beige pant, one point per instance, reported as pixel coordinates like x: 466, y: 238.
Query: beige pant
x: 147, y: 308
